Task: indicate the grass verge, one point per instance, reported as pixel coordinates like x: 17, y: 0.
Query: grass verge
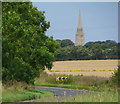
x: 20, y: 92
x: 104, y: 96
x: 24, y: 95
x: 64, y: 86
x: 98, y: 97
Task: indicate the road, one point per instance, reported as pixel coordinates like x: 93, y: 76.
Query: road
x: 59, y: 94
x: 62, y: 91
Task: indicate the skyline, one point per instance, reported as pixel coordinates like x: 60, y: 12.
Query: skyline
x: 99, y: 20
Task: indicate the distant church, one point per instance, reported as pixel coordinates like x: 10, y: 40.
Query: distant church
x: 79, y: 34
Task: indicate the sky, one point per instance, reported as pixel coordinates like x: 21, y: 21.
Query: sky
x: 99, y: 19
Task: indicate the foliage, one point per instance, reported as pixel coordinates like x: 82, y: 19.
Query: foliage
x: 116, y: 77
x: 92, y: 50
x: 26, y: 48
x: 65, y: 43
x: 97, y: 51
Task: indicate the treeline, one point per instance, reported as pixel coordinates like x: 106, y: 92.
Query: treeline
x: 26, y: 50
x: 92, y: 50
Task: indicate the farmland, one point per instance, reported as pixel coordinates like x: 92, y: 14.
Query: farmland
x: 100, y: 68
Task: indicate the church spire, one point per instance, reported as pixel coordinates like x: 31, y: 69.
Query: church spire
x: 80, y: 24
x: 79, y: 34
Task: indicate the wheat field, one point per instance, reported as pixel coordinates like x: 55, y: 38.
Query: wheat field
x: 99, y: 68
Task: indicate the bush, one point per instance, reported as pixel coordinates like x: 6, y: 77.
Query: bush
x: 116, y: 77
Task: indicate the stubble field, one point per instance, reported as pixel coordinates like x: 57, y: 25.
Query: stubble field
x: 99, y: 68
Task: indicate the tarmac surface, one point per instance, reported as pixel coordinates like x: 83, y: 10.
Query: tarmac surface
x: 62, y: 91
x: 59, y: 94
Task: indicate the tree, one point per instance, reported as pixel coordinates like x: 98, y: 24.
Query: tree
x: 65, y: 43
x: 89, y: 44
x: 97, y: 52
x: 26, y: 48
x: 63, y: 54
x: 82, y: 53
x: 112, y: 53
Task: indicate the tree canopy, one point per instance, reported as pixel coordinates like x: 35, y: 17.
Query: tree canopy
x: 65, y: 42
x: 25, y: 47
x: 92, y: 50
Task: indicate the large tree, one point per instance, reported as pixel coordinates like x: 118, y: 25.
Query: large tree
x: 26, y: 48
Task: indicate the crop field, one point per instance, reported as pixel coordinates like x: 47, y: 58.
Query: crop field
x: 99, y: 68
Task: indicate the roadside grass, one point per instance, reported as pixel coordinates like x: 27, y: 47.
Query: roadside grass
x: 80, y: 87
x: 105, y: 89
x: 74, y: 82
x: 64, y: 86
x: 21, y: 91
x: 24, y: 95
x: 77, y: 80
x: 106, y: 96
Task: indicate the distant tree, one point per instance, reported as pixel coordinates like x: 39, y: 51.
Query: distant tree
x: 83, y: 53
x: 65, y: 43
x: 91, y: 50
x: 111, y: 43
x: 89, y: 44
x: 58, y: 40
x: 111, y: 53
x: 97, y: 52
x: 64, y: 53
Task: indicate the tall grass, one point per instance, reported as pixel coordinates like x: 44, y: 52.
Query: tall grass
x: 106, y: 90
x: 85, y: 97
x: 73, y: 80
x: 106, y: 96
x: 20, y: 91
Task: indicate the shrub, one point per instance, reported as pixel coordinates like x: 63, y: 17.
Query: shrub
x: 116, y: 76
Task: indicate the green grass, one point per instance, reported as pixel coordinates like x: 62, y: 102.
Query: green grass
x: 105, y: 96
x: 65, y: 86
x: 106, y: 91
x: 15, y: 96
x: 98, y: 97
x: 20, y: 91
x: 72, y: 80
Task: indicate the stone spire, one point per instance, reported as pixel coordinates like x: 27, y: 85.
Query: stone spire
x: 79, y: 33
x: 80, y: 24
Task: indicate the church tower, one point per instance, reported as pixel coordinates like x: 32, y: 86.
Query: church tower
x: 79, y: 33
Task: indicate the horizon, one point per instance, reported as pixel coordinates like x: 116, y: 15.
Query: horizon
x: 91, y: 41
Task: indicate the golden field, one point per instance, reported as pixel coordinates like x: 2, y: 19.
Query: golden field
x: 99, y: 68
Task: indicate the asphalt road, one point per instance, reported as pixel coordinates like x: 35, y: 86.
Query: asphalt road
x: 62, y: 91
x: 59, y: 93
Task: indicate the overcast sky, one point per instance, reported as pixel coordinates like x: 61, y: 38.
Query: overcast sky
x: 99, y: 20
